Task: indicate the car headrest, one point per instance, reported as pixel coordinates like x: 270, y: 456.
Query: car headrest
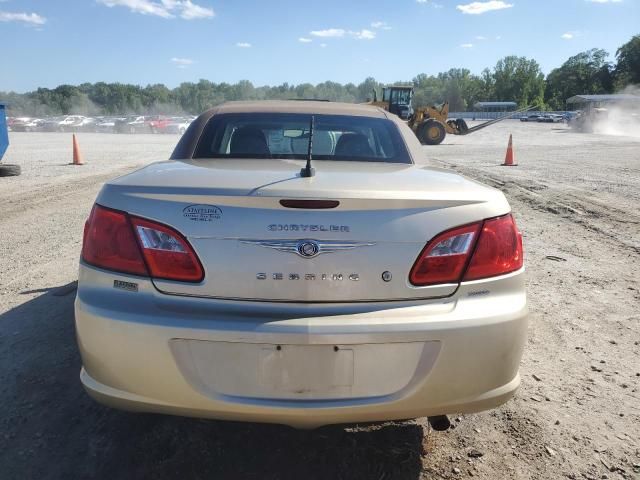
x: 249, y: 141
x: 353, y: 145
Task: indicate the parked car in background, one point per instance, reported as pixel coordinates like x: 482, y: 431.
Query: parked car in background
x: 550, y: 118
x: 178, y: 125
x: 107, y: 124
x: 26, y: 124
x: 157, y: 123
x: 132, y: 124
x: 51, y: 124
x: 87, y: 124
x: 242, y: 280
x: 70, y: 123
x: 530, y: 118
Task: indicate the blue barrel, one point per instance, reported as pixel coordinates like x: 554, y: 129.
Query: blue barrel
x: 4, y: 136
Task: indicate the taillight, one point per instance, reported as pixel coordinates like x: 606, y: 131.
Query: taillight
x: 113, y: 240
x: 480, y: 250
x: 499, y: 249
x: 444, y: 258
x: 167, y: 253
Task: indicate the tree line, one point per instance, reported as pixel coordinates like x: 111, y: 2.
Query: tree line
x: 513, y: 78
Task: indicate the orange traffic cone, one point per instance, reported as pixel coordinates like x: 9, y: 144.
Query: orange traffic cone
x: 509, y: 159
x: 77, y: 156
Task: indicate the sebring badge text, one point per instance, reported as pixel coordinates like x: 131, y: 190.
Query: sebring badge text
x: 286, y: 227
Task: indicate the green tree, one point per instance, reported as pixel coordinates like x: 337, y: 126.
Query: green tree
x: 518, y: 79
x: 366, y: 89
x: 627, y: 70
x: 513, y: 78
x: 585, y: 73
x: 428, y: 90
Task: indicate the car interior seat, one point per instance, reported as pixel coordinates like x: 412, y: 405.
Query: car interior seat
x: 353, y: 145
x: 248, y: 141
x: 323, y: 143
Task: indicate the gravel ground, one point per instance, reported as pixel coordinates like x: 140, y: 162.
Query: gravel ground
x: 577, y: 415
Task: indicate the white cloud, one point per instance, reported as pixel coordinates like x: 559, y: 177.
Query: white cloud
x: 323, y: 45
x: 380, y: 25
x: 571, y: 34
x: 478, y: 8
x: 363, y: 34
x: 480, y: 37
x: 329, y: 33
x: 28, y: 18
x: 604, y: 1
x: 185, y: 9
x: 191, y: 11
x: 182, y: 61
x: 243, y: 45
x: 305, y: 40
x: 145, y: 7
x: 466, y: 45
x: 430, y: 2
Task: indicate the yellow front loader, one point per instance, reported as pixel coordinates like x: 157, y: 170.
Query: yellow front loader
x: 431, y: 123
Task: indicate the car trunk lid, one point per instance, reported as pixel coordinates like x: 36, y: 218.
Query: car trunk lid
x: 253, y: 247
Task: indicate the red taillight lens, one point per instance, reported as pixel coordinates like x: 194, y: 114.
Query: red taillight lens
x: 109, y: 242
x: 489, y: 248
x: 115, y: 241
x: 444, y: 258
x: 499, y: 249
x: 167, y: 253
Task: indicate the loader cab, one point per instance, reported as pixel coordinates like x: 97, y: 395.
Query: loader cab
x: 398, y: 99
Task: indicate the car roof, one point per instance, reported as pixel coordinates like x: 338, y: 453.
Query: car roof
x: 300, y: 106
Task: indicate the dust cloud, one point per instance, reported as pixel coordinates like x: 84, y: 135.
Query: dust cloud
x: 620, y: 119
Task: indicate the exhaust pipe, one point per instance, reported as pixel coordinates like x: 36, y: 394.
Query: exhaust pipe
x: 439, y: 423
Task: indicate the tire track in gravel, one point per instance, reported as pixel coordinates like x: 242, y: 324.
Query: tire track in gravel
x: 51, y: 429
x: 41, y: 226
x: 16, y: 204
x: 575, y: 415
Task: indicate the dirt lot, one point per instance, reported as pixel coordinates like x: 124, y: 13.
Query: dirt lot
x: 577, y: 415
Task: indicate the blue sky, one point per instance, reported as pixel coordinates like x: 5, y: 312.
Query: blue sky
x: 50, y: 42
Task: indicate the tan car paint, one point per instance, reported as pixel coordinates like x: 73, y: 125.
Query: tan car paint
x: 297, y: 351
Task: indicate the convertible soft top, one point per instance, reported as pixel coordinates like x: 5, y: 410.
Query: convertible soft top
x: 299, y: 106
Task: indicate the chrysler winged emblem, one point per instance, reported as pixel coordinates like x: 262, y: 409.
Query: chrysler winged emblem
x: 307, y: 248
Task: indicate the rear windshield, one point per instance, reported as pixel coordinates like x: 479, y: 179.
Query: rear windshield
x: 284, y: 135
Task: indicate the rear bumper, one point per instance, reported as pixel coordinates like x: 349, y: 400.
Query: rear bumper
x: 301, y: 365
x: 298, y: 416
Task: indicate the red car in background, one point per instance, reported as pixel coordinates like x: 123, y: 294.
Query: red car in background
x: 158, y: 123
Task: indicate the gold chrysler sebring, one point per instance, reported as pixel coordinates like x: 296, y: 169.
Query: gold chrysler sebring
x: 300, y: 263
